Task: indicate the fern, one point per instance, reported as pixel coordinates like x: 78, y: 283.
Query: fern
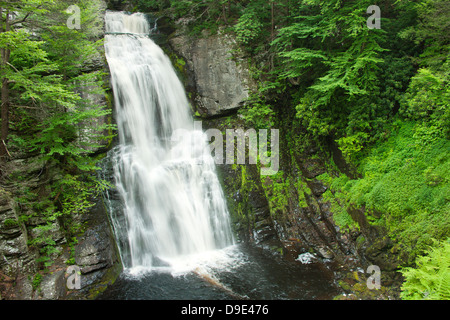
x: 430, y: 280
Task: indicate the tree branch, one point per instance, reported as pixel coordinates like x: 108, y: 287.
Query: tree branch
x: 25, y: 107
x: 24, y: 18
x: 15, y: 69
x: 6, y: 148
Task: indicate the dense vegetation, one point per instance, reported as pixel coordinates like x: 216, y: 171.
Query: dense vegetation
x: 381, y: 95
x: 44, y: 118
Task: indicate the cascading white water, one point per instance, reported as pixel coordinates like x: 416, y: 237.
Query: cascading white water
x: 173, y: 202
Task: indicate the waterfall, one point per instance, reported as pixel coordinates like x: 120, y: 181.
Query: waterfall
x: 173, y: 204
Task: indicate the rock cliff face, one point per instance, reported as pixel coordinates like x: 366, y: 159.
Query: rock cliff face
x: 222, y: 84
x: 94, y: 251
x: 220, y: 81
x: 287, y: 212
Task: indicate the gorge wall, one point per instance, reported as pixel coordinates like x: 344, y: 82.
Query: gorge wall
x: 293, y: 211
x: 93, y: 250
x: 290, y: 213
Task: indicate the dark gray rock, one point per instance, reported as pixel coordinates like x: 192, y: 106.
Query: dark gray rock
x: 222, y: 82
x: 15, y: 256
x: 96, y: 250
x: 53, y: 286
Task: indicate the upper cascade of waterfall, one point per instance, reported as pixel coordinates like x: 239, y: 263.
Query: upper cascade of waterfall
x: 144, y: 82
x: 173, y: 203
x: 118, y: 22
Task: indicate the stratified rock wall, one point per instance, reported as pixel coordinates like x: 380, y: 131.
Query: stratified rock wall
x: 222, y: 82
x: 288, y: 212
x: 94, y: 252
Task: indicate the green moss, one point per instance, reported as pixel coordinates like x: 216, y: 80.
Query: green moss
x: 404, y: 187
x: 36, y: 283
x: 237, y: 186
x: 108, y: 279
x: 340, y: 215
x: 303, y: 191
x: 277, y: 190
x: 111, y: 126
x: 9, y: 223
x: 178, y: 63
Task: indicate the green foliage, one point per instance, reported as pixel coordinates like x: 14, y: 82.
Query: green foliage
x: 430, y: 280
x: 276, y: 188
x: 51, y: 118
x: 339, y: 209
x: 352, y: 145
x: 152, y: 5
x: 72, y: 242
x: 330, y: 52
x: 405, y: 187
x: 257, y: 113
x: 8, y: 223
x: 197, y: 15
x: 72, y: 50
x: 431, y: 32
x: 31, y: 70
x: 428, y: 95
x: 36, y: 281
x: 248, y: 27
x: 427, y: 99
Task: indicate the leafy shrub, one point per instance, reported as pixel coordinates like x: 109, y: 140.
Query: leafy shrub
x: 248, y: 27
x: 427, y: 100
x: 37, y: 281
x: 430, y: 280
x: 404, y: 185
x: 258, y: 114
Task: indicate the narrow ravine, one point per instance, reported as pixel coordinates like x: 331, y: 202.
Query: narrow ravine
x: 173, y: 231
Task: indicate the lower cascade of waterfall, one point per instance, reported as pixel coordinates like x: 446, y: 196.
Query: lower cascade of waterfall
x: 174, y: 212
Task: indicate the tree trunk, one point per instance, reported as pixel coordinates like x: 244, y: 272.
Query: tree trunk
x: 272, y: 9
x: 5, y: 118
x: 5, y: 54
x: 272, y: 33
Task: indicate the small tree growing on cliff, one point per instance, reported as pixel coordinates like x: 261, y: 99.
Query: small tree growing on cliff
x: 42, y: 69
x: 14, y: 16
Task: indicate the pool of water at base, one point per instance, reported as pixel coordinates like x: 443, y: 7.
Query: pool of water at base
x: 249, y: 273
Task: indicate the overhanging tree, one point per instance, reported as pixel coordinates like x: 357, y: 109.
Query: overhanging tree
x: 42, y: 71
x: 14, y: 16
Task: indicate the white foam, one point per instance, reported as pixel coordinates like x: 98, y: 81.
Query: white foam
x: 306, y: 258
